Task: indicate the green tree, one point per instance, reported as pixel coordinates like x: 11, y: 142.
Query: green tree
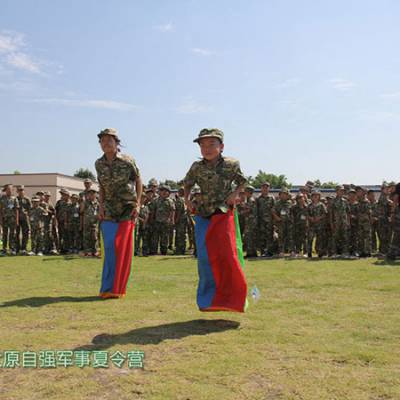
x: 276, y: 181
x: 16, y: 172
x: 85, y: 173
x: 325, y: 185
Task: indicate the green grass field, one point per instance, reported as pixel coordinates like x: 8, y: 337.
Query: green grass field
x: 320, y: 330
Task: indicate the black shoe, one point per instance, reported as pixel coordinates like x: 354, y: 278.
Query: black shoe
x: 309, y: 255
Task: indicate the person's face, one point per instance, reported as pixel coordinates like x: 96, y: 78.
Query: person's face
x: 74, y: 200
x: 211, y: 148
x: 149, y: 195
x: 91, y: 196
x: 371, y: 196
x: 360, y: 194
x: 315, y: 199
x: 300, y: 200
x: 340, y: 193
x: 8, y: 190
x: 385, y: 190
x: 264, y: 189
x: 283, y: 196
x: 353, y: 197
x: 108, y: 144
x: 65, y: 197
x: 87, y: 185
x: 181, y: 193
x: 21, y: 192
x: 46, y: 199
x: 35, y: 204
x: 164, y: 194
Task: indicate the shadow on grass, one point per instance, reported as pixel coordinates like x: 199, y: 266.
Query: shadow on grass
x: 157, y: 334
x: 44, y: 301
x: 395, y: 263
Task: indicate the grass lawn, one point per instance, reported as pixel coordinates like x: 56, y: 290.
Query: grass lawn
x: 321, y: 330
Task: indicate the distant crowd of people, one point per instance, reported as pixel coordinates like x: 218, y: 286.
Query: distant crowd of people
x: 352, y: 223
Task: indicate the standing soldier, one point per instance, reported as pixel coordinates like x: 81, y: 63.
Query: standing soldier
x: 9, y: 219
x: 374, y: 220
x: 330, y: 243
x: 23, y: 226
x: 265, y: 206
x: 181, y: 221
x: 74, y: 225
x: 163, y: 217
x: 148, y: 238
x: 283, y: 217
x: 300, y: 220
x: 37, y: 217
x: 140, y: 247
x: 88, y: 185
x: 250, y: 223
x: 340, y: 222
x: 354, y: 223
x: 153, y: 186
x: 317, y: 215
x: 383, y: 213
x: 394, y: 248
x: 89, y: 210
x: 50, y: 228
x: 62, y: 206
x: 364, y: 223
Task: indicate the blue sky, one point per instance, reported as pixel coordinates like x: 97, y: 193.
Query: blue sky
x: 308, y: 89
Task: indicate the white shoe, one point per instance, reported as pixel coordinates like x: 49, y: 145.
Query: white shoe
x: 31, y: 253
x: 39, y: 254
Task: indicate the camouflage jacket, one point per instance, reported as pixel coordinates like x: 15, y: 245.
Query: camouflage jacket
x: 62, y: 208
x: 73, y: 214
x: 383, y: 208
x: 90, y: 212
x: 24, y: 207
x: 340, y: 211
x: 180, y: 210
x: 265, y: 205
x: 317, y: 210
x: 8, y: 208
x: 364, y: 211
x: 215, y: 183
x: 117, y: 183
x: 37, y: 216
x: 354, y: 213
x: 300, y: 215
x: 283, y: 209
x: 164, y: 209
x: 250, y: 212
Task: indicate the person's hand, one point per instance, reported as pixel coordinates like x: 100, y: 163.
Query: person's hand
x: 232, y: 199
x: 101, y: 213
x: 135, y: 212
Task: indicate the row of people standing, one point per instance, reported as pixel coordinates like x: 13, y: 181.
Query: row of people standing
x: 70, y: 226
x: 351, y: 223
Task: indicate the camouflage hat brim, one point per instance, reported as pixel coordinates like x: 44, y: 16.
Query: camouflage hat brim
x: 211, y: 135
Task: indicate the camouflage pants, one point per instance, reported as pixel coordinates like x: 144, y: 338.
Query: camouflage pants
x: 383, y: 235
x: 353, y: 239
x: 90, y: 236
x: 250, y: 239
x: 394, y: 248
x: 374, y: 233
x: 171, y: 237
x: 300, y: 238
x: 341, y: 238
x: 180, y: 237
x: 140, y: 235
x: 190, y: 230
x: 49, y: 242
x: 265, y: 236
x: 22, y: 229
x: 364, y: 238
x: 63, y: 237
x: 9, y: 234
x: 74, y: 234
x: 162, y: 232
x: 318, y: 233
x: 37, y: 237
x: 285, y: 239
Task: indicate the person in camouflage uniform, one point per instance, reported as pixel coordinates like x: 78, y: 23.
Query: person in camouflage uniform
x: 89, y: 210
x: 181, y: 222
x: 354, y: 223
x: 151, y: 225
x: 374, y: 220
x: 394, y: 247
x: 37, y: 217
x: 87, y: 183
x: 74, y: 225
x: 241, y: 210
x: 364, y: 223
x: 195, y: 200
x: 119, y: 180
x: 50, y: 227
x: 265, y: 206
x: 250, y: 223
x: 23, y: 227
x: 300, y: 221
x: 147, y: 245
x: 9, y: 219
x: 340, y: 222
x: 283, y: 217
x: 62, y: 207
x: 140, y: 239
x: 163, y: 217
x: 317, y: 215
x: 329, y: 240
x: 383, y: 213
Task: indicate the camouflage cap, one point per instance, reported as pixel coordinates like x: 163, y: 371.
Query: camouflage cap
x: 310, y: 183
x: 92, y: 190
x: 47, y: 194
x: 214, y: 132
x: 384, y: 185
x: 20, y: 187
x: 75, y: 196
x: 249, y: 188
x: 109, y: 131
x: 165, y: 187
x: 39, y: 193
x: 284, y: 190
x: 87, y: 180
x: 339, y: 187
x: 352, y: 191
x: 35, y: 199
x: 299, y: 196
x: 153, y: 182
x: 64, y: 191
x: 265, y: 184
x: 391, y: 184
x: 6, y: 186
x: 315, y: 193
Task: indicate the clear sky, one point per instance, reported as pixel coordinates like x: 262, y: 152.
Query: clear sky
x: 309, y: 89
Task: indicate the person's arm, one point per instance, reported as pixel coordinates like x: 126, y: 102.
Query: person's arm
x: 139, y: 191
x: 101, y: 203
x: 188, y: 183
